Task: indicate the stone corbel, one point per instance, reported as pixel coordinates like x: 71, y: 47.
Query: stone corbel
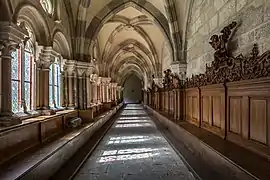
x: 180, y: 69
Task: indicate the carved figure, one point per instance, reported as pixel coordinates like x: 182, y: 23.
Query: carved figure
x: 219, y: 43
x: 167, y: 81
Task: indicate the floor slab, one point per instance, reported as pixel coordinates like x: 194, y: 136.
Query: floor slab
x: 134, y: 149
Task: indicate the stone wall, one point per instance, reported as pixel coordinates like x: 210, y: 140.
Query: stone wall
x: 208, y: 17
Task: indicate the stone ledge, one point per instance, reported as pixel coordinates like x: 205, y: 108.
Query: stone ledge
x: 202, y: 149
x: 46, y: 161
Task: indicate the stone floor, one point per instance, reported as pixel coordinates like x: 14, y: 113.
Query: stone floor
x: 134, y: 149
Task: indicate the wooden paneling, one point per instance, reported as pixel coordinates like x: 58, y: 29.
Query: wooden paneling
x: 235, y: 113
x: 189, y: 107
x: 195, y: 108
x: 206, y: 109
x: 17, y: 139
x: 217, y: 111
x: 258, y: 120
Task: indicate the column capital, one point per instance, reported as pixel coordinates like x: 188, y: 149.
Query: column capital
x: 13, y: 32
x: 70, y: 67
x: 11, y: 36
x: 45, y: 56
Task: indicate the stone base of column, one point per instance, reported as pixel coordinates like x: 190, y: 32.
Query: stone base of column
x: 107, y: 105
x: 71, y: 107
x: 6, y: 121
x: 87, y: 115
x: 48, y: 112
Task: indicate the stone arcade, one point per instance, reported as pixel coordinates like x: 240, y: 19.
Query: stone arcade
x: 198, y: 71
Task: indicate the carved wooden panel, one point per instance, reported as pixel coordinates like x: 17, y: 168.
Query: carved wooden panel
x: 217, y: 111
x: 206, y: 109
x: 235, y: 112
x: 258, y: 120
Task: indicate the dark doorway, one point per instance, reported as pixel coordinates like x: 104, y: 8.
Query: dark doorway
x: 132, y: 90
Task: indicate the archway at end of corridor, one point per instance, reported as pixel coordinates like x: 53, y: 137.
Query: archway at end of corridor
x: 132, y: 90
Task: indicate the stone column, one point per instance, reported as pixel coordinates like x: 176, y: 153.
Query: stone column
x: 75, y: 87
x: 11, y: 36
x: 6, y: 50
x: 70, y: 68
x: 89, y: 91
x: 43, y: 60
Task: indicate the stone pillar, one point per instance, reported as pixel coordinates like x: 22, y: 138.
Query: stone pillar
x: 43, y: 60
x: 80, y: 77
x: 6, y: 50
x: 70, y: 68
x: 83, y: 71
x: 11, y: 36
x: 89, y: 91
x: 75, y: 87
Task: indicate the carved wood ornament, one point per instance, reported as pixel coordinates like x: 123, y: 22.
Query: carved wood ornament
x: 226, y: 68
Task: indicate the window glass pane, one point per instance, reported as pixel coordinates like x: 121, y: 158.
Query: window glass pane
x: 56, y: 96
x: 51, y: 96
x: 56, y: 74
x: 28, y: 96
x: 27, y: 70
x: 51, y: 75
x: 14, y: 65
x: 15, y: 98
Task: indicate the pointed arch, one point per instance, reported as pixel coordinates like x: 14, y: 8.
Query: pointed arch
x: 61, y: 44
x: 30, y: 12
x: 114, y: 7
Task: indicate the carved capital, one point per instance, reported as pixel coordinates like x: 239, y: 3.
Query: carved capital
x: 45, y: 56
x: 7, y: 47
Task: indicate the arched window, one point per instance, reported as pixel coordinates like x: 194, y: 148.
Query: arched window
x: 54, y: 84
x: 47, y: 6
x: 22, y: 77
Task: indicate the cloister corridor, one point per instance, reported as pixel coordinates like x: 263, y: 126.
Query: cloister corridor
x: 134, y: 89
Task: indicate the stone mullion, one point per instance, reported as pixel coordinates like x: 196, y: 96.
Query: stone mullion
x: 23, y: 104
x: 75, y: 96
x: 70, y: 91
x: 84, y: 93
x: 64, y: 89
x: 97, y: 93
x: 102, y: 92
x: 88, y: 90
x: 37, y: 85
x: 80, y: 92
x: 45, y: 73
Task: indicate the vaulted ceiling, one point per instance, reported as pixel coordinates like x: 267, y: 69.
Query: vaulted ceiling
x: 125, y: 37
